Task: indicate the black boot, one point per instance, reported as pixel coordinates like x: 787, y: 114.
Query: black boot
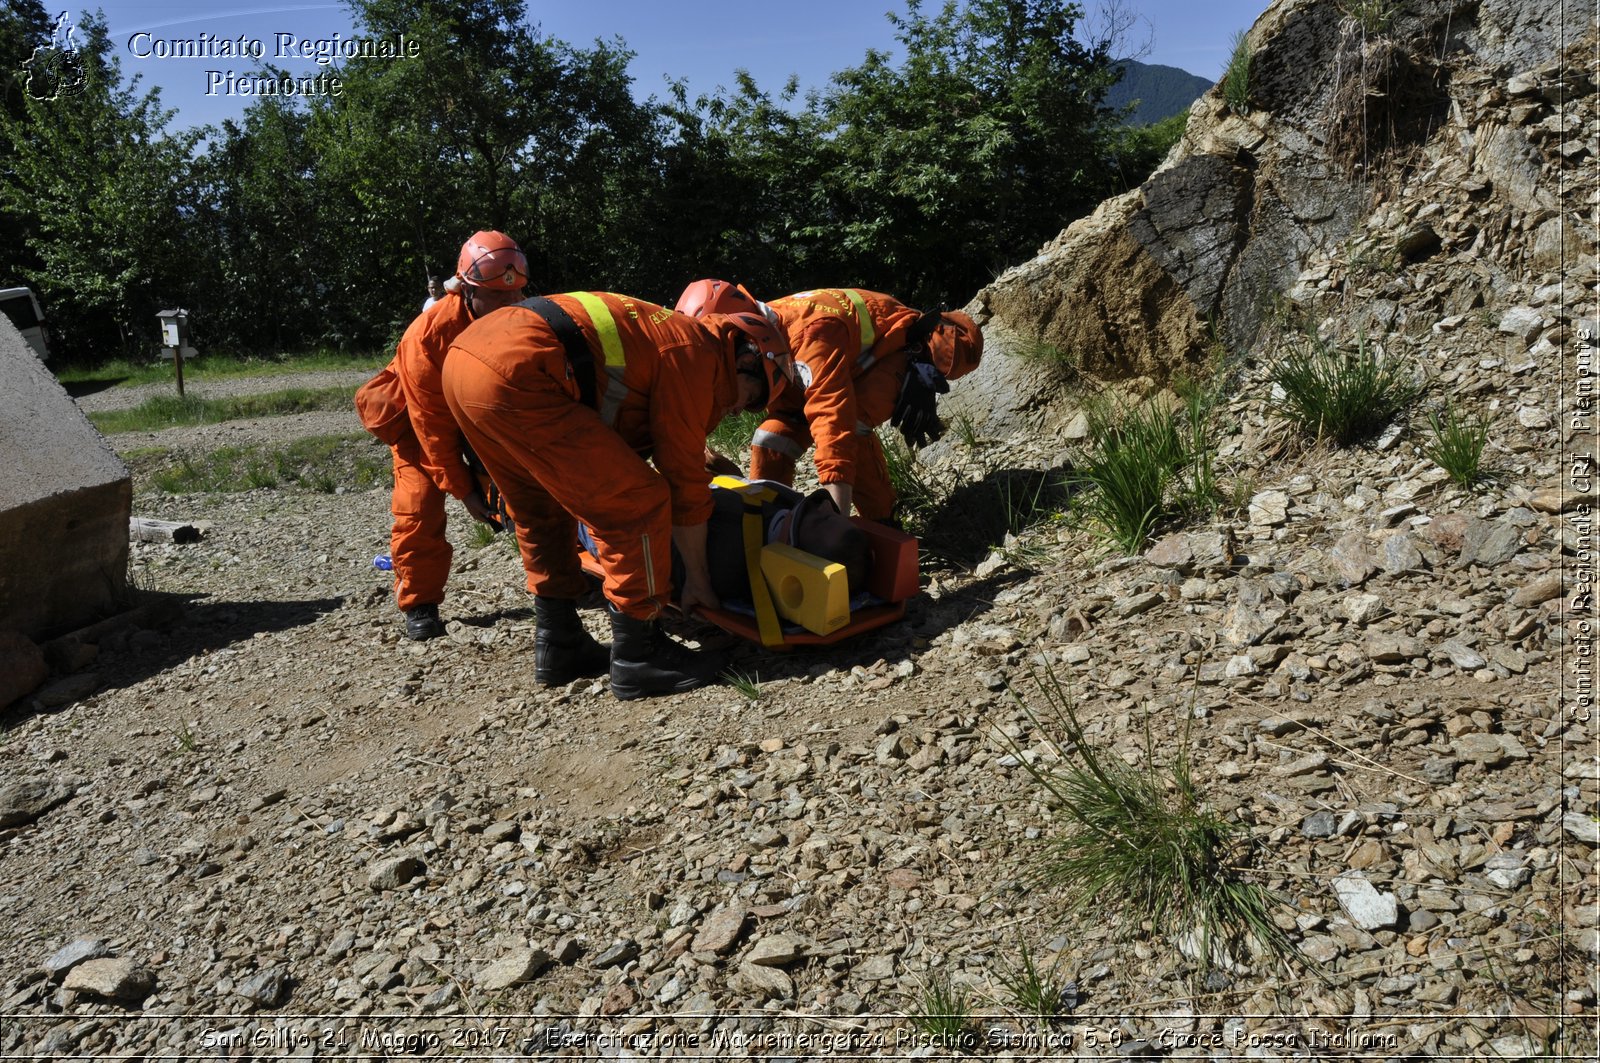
x: 423, y: 623
x: 562, y: 649
x: 645, y: 662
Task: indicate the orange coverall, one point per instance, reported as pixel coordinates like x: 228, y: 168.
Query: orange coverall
x: 427, y: 459
x: 663, y: 382
x: 849, y: 391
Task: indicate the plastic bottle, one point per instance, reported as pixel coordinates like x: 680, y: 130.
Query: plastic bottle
x: 383, y: 562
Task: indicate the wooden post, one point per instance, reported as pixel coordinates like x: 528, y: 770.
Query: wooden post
x: 177, y: 360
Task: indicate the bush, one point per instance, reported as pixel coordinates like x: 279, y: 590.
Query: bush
x: 1344, y: 396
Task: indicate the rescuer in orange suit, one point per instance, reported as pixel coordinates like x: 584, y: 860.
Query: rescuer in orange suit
x: 563, y: 398
x: 403, y: 405
x: 862, y: 358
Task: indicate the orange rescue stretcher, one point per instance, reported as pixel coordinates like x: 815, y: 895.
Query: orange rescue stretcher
x: 800, y: 599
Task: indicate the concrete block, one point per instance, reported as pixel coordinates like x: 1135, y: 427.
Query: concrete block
x: 65, y: 500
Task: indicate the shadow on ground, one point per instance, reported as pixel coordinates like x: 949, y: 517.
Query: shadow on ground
x: 976, y: 517
x: 161, y: 631
x: 79, y: 388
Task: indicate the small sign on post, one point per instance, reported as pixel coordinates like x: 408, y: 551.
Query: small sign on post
x: 175, y: 339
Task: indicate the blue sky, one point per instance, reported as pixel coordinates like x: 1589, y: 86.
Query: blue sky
x: 703, y: 42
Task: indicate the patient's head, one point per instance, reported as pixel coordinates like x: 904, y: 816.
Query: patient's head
x: 817, y: 527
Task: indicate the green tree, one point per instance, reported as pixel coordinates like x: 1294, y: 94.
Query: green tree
x: 983, y: 142
x: 489, y: 126
x: 96, y: 190
x: 257, y: 225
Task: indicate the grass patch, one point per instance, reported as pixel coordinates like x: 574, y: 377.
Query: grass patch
x: 731, y: 437
x: 748, y: 685
x: 1147, y: 466
x: 1456, y: 443
x: 1140, y: 847
x: 125, y: 373
x: 1344, y: 396
x: 316, y: 463
x: 1236, y: 78
x: 170, y: 411
x: 942, y: 1017
x: 917, y: 495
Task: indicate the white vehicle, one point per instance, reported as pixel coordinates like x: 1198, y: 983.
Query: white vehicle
x: 22, y: 307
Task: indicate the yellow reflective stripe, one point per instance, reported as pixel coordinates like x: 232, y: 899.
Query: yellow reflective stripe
x: 869, y: 335
x: 605, y: 326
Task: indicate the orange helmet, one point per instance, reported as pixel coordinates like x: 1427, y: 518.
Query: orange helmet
x: 491, y: 259
x: 715, y: 297
x: 714, y: 300
x: 956, y: 346
x: 770, y: 346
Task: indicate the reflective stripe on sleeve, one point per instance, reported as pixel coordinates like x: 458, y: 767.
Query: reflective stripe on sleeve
x: 773, y: 441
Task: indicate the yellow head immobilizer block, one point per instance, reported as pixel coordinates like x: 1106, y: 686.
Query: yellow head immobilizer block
x: 806, y: 589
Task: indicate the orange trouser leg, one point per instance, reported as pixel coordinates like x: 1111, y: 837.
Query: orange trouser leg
x: 776, y: 446
x: 554, y: 460
x: 417, y: 544
x: 872, y: 494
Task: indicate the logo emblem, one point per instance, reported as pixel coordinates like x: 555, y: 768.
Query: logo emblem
x: 56, y: 69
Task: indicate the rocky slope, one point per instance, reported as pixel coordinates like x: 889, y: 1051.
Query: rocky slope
x: 249, y: 821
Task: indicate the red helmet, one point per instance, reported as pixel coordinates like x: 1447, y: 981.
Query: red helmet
x: 714, y: 300
x: 716, y: 297
x: 956, y: 346
x: 491, y: 259
x: 770, y: 344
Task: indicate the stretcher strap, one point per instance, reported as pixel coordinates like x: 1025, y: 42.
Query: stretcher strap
x: 767, y: 623
x: 766, y: 615
x: 571, y: 337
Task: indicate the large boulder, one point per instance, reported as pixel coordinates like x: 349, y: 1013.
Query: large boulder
x: 64, y: 503
x: 1208, y: 247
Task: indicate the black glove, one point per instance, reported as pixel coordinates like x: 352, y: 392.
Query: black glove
x: 916, y: 411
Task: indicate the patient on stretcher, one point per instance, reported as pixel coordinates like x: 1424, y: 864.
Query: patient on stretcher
x: 810, y: 523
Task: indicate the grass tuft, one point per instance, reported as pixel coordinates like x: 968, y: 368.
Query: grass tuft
x: 1141, y: 848
x: 943, y: 1017
x: 1039, y: 994
x: 1236, y: 78
x: 1456, y: 445
x: 1373, y: 17
x: 731, y: 437
x: 918, y: 495
x: 1148, y: 465
x: 748, y: 685
x: 1344, y: 396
